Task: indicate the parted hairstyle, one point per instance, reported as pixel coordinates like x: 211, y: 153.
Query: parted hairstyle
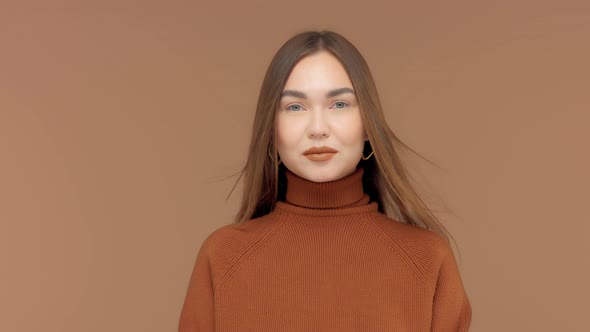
x: 385, y: 179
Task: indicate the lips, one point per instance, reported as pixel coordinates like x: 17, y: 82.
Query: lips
x: 321, y: 149
x: 319, y: 156
x: 321, y: 153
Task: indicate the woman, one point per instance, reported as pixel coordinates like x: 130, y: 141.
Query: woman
x: 330, y: 235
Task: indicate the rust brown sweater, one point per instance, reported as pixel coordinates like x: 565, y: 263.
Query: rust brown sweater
x: 325, y: 259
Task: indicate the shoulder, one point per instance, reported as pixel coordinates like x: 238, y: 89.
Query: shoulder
x: 225, y: 248
x: 232, y: 240
x: 423, y: 248
x: 411, y: 235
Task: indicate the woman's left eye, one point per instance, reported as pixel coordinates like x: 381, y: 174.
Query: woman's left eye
x: 340, y: 103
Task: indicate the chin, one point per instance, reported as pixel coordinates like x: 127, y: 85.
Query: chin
x: 323, y: 175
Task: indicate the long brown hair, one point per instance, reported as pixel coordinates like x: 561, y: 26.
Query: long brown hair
x: 385, y: 179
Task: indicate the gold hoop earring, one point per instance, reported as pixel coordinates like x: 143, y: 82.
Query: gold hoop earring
x: 366, y: 158
x: 280, y: 161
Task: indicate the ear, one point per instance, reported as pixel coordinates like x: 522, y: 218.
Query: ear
x: 365, y: 136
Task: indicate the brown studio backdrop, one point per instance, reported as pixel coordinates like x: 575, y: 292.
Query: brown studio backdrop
x: 120, y: 120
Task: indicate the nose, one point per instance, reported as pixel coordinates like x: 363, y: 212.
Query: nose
x: 318, y: 125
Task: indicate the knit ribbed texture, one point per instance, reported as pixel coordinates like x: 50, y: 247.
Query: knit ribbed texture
x: 325, y: 259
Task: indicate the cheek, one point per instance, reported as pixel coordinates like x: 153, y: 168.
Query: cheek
x: 351, y: 131
x: 285, y: 133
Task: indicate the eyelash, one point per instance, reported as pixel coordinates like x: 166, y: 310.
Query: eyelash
x: 343, y: 102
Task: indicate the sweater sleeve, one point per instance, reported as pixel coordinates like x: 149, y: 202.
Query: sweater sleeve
x: 451, y: 311
x: 197, y: 314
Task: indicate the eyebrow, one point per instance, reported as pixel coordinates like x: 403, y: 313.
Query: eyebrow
x: 300, y: 94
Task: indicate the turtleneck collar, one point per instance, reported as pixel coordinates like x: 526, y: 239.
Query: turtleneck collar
x: 342, y: 193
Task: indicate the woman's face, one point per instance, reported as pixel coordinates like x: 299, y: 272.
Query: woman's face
x: 318, y: 108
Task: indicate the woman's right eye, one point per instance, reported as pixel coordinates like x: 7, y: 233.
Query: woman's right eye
x: 290, y: 107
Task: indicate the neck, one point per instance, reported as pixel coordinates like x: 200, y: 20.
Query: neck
x: 341, y: 193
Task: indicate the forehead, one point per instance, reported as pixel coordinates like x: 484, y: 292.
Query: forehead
x: 320, y: 71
